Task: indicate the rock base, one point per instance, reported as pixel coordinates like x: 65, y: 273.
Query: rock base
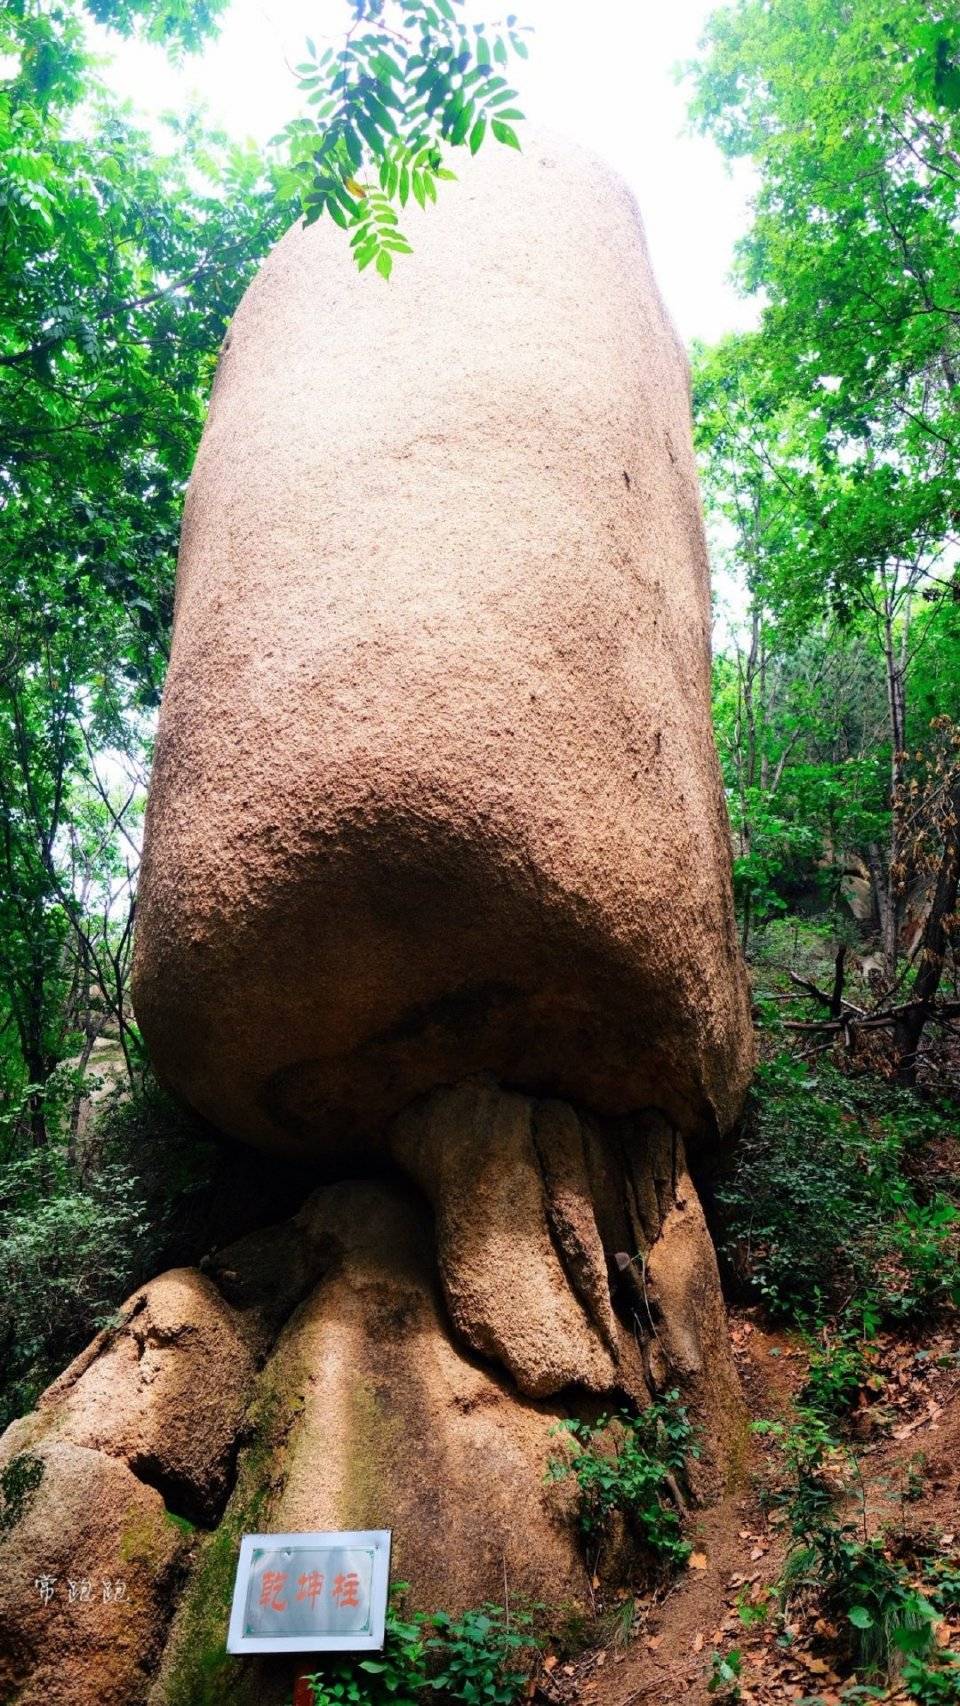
x: 397, y: 1355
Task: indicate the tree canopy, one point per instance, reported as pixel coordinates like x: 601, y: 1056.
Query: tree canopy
x: 829, y: 442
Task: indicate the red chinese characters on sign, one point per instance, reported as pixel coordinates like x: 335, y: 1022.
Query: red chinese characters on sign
x: 346, y: 1589
x: 310, y: 1586
x: 271, y: 1587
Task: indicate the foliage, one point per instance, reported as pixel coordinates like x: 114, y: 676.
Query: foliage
x: 932, y: 1684
x: 398, y: 1675
x: 627, y: 1464
x: 416, y: 81
x: 837, y: 1371
x: 481, y: 1657
x: 122, y: 266
x: 724, y: 1677
x: 829, y: 440
x: 821, y: 1201
x: 69, y: 1252
x: 885, y: 1616
x: 19, y: 1480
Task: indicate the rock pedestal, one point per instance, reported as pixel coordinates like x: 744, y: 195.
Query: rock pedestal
x: 436, y: 889
x: 368, y: 1363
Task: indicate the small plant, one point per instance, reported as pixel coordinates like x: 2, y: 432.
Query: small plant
x: 481, y: 1658
x: 724, y: 1678
x: 933, y: 1683
x: 629, y: 1464
x: 752, y: 1612
x: 836, y: 1373
x: 397, y: 1675
x: 942, y: 1577
x: 484, y: 1656
x: 19, y: 1481
x: 858, y: 1585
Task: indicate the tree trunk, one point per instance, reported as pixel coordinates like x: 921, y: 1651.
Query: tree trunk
x: 909, y: 1027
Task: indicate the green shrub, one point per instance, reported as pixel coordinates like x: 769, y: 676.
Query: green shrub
x: 820, y: 1203
x: 933, y: 1683
x: 397, y: 1675
x: 69, y: 1252
x: 858, y: 1585
x: 836, y: 1373
x: 628, y: 1464
x: 481, y: 1658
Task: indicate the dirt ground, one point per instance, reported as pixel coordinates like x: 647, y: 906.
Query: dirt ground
x: 907, y: 1433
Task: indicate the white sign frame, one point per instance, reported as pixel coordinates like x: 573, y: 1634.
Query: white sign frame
x: 376, y: 1539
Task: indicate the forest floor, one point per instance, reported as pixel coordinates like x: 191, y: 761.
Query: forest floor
x: 906, y: 1433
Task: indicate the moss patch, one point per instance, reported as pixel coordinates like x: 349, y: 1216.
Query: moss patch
x: 374, y: 1437
x: 198, y: 1670
x: 19, y: 1481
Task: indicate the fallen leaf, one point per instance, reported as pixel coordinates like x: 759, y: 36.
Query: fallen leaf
x: 697, y: 1561
x: 698, y: 1642
x: 550, y: 1661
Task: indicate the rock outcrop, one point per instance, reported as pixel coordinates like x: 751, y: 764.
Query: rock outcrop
x: 436, y: 890
x: 435, y: 791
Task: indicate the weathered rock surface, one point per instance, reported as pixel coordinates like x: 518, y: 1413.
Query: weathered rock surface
x: 99, y: 1543
x: 377, y: 1416
x: 471, y: 1150
x: 435, y: 790
x: 373, y: 1410
x: 166, y: 1392
x: 422, y: 1362
x: 133, y: 1444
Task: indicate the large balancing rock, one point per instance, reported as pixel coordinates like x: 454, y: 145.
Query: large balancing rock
x: 435, y: 790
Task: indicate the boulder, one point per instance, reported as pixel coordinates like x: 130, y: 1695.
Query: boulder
x: 89, y: 1564
x: 375, y: 1416
x: 136, y: 1444
x: 422, y: 1392
x: 166, y: 1391
x: 435, y: 790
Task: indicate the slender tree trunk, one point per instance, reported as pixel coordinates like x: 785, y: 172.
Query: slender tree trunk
x: 909, y: 1028
x: 891, y: 912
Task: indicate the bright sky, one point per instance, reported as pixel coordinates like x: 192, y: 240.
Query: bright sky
x: 601, y: 72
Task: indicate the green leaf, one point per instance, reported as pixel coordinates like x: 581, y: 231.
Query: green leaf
x: 477, y: 134
x: 504, y: 133
x: 860, y: 1617
x: 462, y: 125
x: 384, y: 263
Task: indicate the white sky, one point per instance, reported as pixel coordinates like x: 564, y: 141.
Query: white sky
x: 601, y: 72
